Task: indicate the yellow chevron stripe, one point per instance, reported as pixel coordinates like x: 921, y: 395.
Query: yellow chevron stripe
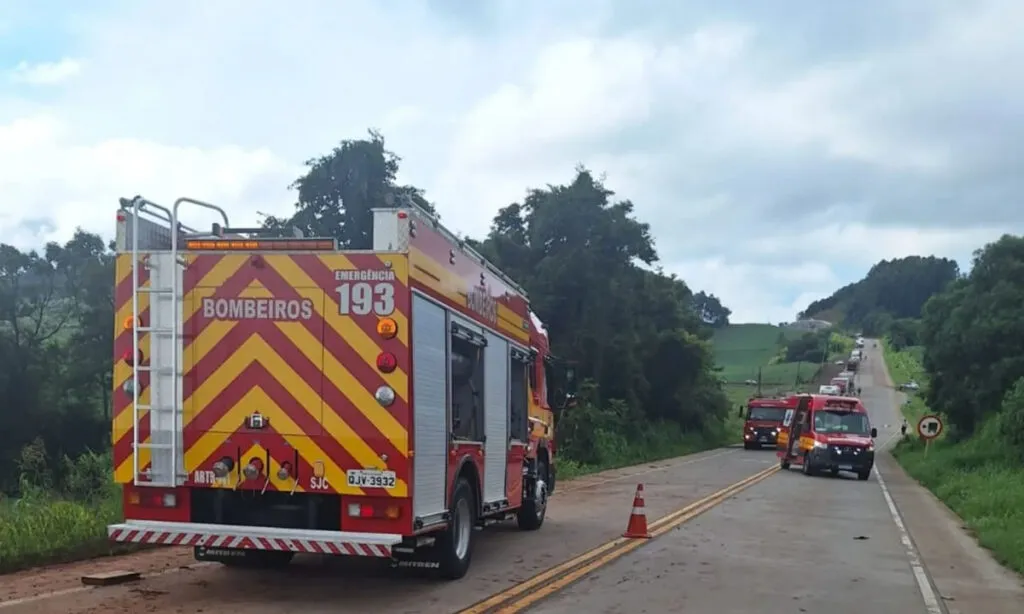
x: 213, y: 439
x: 328, y: 309
x: 255, y: 348
x: 352, y: 388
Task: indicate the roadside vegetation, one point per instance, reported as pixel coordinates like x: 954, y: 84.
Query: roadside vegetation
x: 963, y: 346
x: 639, y: 339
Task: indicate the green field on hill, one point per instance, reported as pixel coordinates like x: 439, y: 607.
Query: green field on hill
x: 742, y: 349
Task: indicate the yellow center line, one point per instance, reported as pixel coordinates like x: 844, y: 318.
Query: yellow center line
x: 543, y: 585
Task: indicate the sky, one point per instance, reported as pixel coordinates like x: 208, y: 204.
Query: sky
x: 777, y: 148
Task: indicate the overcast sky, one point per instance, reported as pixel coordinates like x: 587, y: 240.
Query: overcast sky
x: 778, y: 148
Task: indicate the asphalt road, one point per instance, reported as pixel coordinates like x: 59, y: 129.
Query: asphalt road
x: 779, y: 543
x: 811, y: 544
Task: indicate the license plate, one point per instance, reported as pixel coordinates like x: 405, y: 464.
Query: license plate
x: 763, y: 438
x: 368, y: 478
x: 846, y: 467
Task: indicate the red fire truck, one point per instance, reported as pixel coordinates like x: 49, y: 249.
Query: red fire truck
x: 762, y: 419
x: 828, y: 433
x: 279, y: 395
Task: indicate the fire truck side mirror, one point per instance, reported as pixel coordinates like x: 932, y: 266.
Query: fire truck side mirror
x: 874, y: 432
x: 570, y: 375
x: 741, y: 411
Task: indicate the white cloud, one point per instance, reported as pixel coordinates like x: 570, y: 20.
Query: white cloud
x: 45, y: 173
x: 46, y: 73
x: 775, y: 156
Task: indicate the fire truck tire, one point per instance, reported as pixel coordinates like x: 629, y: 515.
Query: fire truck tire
x: 784, y: 464
x: 531, y: 515
x: 551, y: 479
x: 863, y: 475
x: 455, y: 545
x: 807, y: 469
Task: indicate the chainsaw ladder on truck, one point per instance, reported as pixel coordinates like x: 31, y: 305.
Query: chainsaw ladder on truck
x: 166, y: 342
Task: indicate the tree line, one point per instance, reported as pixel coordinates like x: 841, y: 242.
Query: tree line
x: 892, y: 290
x: 973, y: 338
x: 970, y: 327
x: 637, y: 337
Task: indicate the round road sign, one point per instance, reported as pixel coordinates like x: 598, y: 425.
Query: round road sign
x: 929, y: 427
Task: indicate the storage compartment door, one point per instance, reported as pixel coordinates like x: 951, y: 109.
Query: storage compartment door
x: 430, y: 402
x: 496, y: 412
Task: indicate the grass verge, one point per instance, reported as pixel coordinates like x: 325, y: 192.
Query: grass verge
x: 39, y: 530
x: 979, y: 478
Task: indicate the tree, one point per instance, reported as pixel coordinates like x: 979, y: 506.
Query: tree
x: 633, y: 330
x: 338, y: 191
x: 711, y: 310
x: 56, y: 317
x: 974, y: 336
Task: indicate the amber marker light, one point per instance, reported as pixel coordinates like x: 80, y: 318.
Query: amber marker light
x: 387, y: 328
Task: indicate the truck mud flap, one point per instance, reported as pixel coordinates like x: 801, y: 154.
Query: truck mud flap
x: 418, y: 555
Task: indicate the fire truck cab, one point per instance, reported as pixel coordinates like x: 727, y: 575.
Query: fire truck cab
x: 762, y: 419
x: 827, y: 433
x: 279, y: 395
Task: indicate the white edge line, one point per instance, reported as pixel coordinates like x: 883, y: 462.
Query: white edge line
x: 81, y: 589
x: 931, y: 601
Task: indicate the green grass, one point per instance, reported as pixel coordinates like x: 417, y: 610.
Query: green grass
x: 980, y: 478
x: 39, y: 530
x: 905, y: 366
x: 775, y: 376
x: 980, y: 481
x: 748, y: 345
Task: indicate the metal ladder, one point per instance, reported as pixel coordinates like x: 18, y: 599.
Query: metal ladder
x: 170, y: 291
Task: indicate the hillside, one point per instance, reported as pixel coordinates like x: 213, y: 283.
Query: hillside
x: 891, y: 290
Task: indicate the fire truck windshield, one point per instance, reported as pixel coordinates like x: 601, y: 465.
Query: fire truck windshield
x: 830, y: 421
x: 768, y: 414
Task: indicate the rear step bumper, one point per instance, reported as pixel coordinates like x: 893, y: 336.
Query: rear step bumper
x: 253, y: 538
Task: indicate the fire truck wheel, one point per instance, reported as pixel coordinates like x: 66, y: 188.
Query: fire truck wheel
x: 807, y: 469
x: 863, y: 475
x: 455, y: 546
x: 784, y: 464
x: 531, y: 515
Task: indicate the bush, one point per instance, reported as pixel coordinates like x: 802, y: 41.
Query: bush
x: 1011, y: 419
x: 55, y: 522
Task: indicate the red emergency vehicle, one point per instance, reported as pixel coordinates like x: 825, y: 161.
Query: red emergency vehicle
x: 762, y: 419
x: 279, y: 395
x: 828, y: 433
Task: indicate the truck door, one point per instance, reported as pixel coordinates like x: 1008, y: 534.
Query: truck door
x: 798, y: 426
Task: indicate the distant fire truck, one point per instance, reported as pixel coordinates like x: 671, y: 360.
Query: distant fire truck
x: 279, y: 395
x: 762, y: 419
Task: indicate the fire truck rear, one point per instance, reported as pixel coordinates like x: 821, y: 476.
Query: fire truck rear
x: 276, y: 396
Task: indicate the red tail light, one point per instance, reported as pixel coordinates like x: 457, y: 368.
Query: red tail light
x: 386, y: 362
x: 127, y: 358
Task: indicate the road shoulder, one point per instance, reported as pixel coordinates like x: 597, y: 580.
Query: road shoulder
x: 968, y: 578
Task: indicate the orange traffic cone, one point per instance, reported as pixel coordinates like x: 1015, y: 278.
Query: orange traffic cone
x: 637, y: 526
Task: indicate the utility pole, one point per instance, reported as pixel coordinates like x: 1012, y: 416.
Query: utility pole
x: 759, y: 382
